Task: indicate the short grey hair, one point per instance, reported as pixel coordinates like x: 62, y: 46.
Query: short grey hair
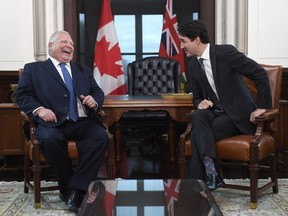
x: 55, y: 34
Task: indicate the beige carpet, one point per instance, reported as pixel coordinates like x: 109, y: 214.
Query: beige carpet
x: 13, y: 201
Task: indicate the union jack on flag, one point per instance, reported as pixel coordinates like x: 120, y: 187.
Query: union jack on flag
x: 171, y: 187
x: 170, y: 46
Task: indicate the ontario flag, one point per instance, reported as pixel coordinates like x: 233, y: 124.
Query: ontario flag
x: 170, y: 46
x: 108, y: 68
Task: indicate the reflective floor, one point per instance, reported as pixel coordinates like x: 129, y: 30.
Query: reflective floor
x: 150, y: 197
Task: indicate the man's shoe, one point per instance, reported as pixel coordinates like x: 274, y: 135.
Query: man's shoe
x: 75, y: 199
x: 214, y: 181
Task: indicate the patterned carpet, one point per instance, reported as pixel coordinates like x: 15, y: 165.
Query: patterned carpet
x: 13, y: 201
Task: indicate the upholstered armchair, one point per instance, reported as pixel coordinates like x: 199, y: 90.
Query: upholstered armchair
x: 254, y: 153
x: 35, y: 162
x: 151, y: 76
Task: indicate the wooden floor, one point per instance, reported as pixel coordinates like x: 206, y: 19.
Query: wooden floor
x: 137, y: 163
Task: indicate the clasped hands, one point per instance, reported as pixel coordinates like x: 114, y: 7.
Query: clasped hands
x: 49, y: 116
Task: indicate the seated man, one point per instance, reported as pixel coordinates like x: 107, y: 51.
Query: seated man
x: 224, y: 105
x: 63, y: 98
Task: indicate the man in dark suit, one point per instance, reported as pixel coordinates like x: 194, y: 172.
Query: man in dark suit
x: 65, y: 109
x: 224, y: 106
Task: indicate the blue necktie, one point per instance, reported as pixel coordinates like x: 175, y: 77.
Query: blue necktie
x: 73, y: 114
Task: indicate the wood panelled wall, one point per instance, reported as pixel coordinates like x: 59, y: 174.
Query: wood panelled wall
x: 284, y: 87
x: 7, y: 78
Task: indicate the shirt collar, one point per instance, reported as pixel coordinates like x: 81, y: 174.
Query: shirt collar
x: 56, y: 63
x: 206, y: 53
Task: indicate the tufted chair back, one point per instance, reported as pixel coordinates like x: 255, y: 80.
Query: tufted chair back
x: 153, y: 76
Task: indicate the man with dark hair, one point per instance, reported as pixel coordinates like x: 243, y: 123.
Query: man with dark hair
x: 63, y: 98
x: 224, y: 105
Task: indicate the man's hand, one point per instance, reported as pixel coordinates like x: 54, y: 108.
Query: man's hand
x: 46, y: 114
x: 205, y: 104
x: 89, y: 101
x: 256, y: 113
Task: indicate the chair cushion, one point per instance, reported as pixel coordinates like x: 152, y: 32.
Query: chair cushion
x: 237, y: 147
x: 72, y: 149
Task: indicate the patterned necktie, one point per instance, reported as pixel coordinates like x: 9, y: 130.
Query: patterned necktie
x: 211, y: 94
x: 73, y: 114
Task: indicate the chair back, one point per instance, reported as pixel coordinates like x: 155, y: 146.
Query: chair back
x: 153, y: 76
x: 20, y: 71
x: 275, y: 76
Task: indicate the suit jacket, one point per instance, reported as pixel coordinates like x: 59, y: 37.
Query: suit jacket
x: 228, y: 66
x: 41, y: 85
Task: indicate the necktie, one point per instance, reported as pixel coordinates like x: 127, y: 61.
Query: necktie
x: 211, y: 94
x: 73, y: 113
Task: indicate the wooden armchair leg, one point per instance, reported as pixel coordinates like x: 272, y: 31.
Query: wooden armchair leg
x: 273, y: 169
x: 27, y: 172
x: 37, y: 187
x: 253, y: 170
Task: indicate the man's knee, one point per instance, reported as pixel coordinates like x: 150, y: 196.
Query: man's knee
x: 200, y: 115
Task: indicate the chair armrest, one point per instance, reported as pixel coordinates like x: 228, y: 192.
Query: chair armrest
x: 267, y: 122
x: 24, y: 117
x: 269, y: 115
x: 183, y: 138
x: 186, y: 134
x: 104, y: 118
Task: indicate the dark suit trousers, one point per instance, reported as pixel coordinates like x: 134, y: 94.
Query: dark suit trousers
x: 207, y: 127
x: 92, y: 142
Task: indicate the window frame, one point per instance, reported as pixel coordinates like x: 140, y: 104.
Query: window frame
x: 71, y: 10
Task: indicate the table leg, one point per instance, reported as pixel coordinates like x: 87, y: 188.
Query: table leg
x: 117, y: 139
x: 171, y: 139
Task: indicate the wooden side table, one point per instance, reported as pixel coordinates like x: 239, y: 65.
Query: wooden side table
x: 11, y: 133
x: 282, y: 147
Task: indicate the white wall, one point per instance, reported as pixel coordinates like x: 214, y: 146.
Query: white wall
x: 267, y: 30
x: 16, y: 39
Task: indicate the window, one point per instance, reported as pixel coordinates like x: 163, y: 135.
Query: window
x: 138, y: 24
x: 147, y: 40
x: 148, y: 191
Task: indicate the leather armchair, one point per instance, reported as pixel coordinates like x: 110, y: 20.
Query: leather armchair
x: 151, y: 76
x: 251, y: 152
x: 35, y: 161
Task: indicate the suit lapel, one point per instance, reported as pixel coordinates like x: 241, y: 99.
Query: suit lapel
x: 75, y: 73
x: 213, y: 65
x: 53, y: 71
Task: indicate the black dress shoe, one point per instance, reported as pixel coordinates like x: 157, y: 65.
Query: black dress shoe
x: 75, y: 199
x: 214, y: 181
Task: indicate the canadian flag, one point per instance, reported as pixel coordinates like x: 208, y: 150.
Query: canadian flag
x: 108, y: 68
x: 110, y: 195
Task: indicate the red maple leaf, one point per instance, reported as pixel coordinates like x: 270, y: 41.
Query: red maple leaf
x: 106, y: 59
